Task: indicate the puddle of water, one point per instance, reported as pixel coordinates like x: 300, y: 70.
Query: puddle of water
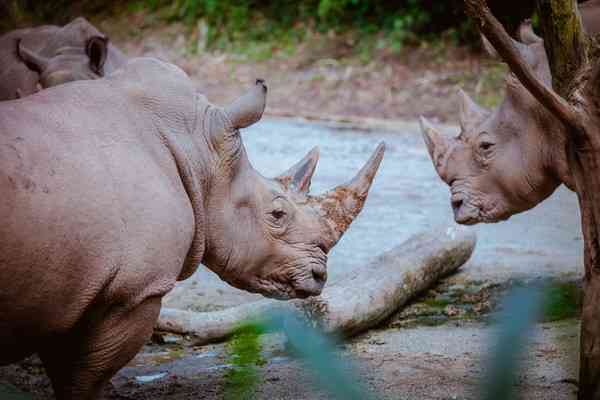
x: 150, y: 378
x: 207, y: 354
x: 219, y: 367
x: 279, y: 360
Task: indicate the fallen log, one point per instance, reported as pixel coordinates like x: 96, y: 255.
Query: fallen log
x: 354, y: 303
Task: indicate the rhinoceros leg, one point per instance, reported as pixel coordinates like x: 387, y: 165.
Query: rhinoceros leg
x: 81, y: 363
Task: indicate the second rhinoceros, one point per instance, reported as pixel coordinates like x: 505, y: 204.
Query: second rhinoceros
x: 114, y: 189
x: 49, y: 55
x: 506, y: 160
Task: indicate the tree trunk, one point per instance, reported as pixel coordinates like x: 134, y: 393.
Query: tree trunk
x: 564, y: 41
x: 353, y: 304
x: 585, y: 166
x: 567, y: 49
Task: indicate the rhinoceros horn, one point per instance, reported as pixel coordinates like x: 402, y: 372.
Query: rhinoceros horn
x: 299, y: 176
x: 437, y: 144
x: 342, y: 204
x: 248, y: 109
x: 33, y: 60
x: 470, y: 112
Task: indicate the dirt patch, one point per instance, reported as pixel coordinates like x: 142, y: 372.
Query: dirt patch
x: 433, y: 349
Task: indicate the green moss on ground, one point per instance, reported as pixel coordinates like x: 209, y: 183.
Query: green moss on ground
x: 563, y: 301
x: 245, y: 355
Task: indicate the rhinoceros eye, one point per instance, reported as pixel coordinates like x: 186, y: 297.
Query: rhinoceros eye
x: 485, y: 146
x: 278, y: 214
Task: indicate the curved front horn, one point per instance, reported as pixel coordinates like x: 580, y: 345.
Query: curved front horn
x: 342, y: 205
x: 249, y: 108
x: 32, y: 59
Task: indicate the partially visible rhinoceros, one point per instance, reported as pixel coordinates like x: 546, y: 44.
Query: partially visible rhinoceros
x: 590, y: 16
x: 507, y: 160
x: 49, y: 55
x: 113, y: 189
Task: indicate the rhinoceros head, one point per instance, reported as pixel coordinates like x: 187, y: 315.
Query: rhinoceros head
x: 74, y: 52
x: 271, y: 236
x: 502, y: 162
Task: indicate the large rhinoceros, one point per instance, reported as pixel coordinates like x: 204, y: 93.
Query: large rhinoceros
x: 49, y: 55
x: 507, y: 160
x: 114, y: 189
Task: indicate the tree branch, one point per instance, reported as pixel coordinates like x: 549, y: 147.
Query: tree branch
x: 503, y: 43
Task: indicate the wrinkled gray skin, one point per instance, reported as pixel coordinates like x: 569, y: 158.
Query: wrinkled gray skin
x: 114, y: 189
x: 507, y: 160
x: 37, y: 58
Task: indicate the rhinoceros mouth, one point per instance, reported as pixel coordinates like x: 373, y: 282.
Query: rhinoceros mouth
x: 299, y: 282
x: 464, y: 209
x: 471, y: 209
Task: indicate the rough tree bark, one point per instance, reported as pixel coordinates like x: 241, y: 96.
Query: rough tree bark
x: 353, y: 304
x: 575, y: 100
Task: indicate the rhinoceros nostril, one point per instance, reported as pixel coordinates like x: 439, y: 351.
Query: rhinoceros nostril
x: 303, y: 294
x: 319, y: 275
x: 456, y: 204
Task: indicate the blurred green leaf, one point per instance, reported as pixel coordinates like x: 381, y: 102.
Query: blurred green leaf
x: 515, y: 324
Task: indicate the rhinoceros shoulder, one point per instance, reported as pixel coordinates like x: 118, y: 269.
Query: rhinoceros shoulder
x: 152, y: 72
x: 157, y: 85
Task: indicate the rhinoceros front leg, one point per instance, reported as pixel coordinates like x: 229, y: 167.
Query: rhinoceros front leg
x: 81, y: 363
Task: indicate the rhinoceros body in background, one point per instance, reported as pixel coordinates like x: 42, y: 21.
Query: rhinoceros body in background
x: 113, y: 189
x: 590, y: 16
x: 49, y: 55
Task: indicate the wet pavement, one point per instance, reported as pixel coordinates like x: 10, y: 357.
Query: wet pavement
x: 407, y: 197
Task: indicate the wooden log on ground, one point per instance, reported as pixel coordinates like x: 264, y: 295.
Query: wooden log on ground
x: 353, y: 304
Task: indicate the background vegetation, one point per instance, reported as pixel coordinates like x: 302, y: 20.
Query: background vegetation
x: 226, y: 21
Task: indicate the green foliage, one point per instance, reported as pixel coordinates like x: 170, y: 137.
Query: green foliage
x: 319, y: 354
x: 245, y: 355
x: 562, y: 301
x: 436, y: 303
x: 9, y: 392
x: 277, y: 23
x: 516, y: 322
x: 400, y: 22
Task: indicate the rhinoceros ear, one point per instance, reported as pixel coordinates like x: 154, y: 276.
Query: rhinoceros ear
x: 298, y: 177
x: 249, y: 108
x: 437, y: 144
x: 96, y: 50
x: 470, y: 112
x: 34, y: 61
x: 526, y: 34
